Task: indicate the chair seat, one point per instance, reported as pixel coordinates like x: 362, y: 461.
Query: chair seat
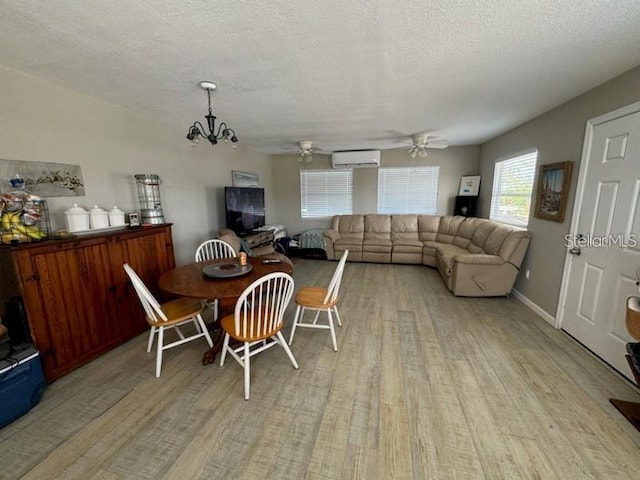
x: 313, y: 297
x: 178, y: 311
x: 229, y: 326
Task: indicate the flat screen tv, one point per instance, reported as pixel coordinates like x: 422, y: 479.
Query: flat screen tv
x: 244, y: 208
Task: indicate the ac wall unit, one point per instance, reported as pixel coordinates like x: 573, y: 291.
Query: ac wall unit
x: 356, y: 159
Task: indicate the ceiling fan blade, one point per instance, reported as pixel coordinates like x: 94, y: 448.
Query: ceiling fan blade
x: 437, y: 145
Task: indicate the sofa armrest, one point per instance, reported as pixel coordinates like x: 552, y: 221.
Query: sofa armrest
x: 479, y: 259
x: 330, y: 237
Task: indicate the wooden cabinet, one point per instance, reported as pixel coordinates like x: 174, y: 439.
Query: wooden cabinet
x: 77, y: 297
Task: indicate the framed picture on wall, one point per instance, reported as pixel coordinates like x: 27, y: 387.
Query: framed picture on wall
x: 469, y: 185
x: 244, y: 179
x: 553, y: 191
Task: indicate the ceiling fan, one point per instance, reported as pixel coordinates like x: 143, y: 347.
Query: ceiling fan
x: 305, y: 150
x: 422, y: 141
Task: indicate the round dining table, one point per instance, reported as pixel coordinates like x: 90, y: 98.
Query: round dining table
x: 190, y: 281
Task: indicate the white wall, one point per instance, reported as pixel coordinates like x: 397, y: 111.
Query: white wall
x: 453, y: 161
x: 40, y: 121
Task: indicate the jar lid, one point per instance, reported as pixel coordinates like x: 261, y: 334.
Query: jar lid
x: 115, y: 210
x: 97, y: 209
x: 75, y: 209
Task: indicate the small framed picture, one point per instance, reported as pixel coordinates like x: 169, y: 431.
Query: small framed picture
x: 134, y: 220
x: 469, y: 185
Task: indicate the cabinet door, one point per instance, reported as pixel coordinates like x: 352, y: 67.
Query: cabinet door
x: 150, y: 253
x: 69, y: 297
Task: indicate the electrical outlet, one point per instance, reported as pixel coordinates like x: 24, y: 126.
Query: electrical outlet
x: 527, y: 273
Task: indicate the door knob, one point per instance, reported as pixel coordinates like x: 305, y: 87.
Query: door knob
x: 575, y: 244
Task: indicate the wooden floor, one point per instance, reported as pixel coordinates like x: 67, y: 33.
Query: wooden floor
x: 424, y: 386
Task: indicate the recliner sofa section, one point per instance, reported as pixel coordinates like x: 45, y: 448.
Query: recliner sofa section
x: 475, y: 257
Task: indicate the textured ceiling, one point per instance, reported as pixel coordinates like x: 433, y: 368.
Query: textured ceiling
x: 345, y: 74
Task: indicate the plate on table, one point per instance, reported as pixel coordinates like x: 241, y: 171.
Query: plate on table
x: 226, y: 270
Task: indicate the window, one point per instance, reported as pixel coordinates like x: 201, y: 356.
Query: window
x: 512, y: 187
x: 408, y: 190
x: 324, y: 193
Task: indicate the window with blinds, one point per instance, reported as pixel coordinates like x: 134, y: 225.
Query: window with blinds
x: 512, y: 188
x: 324, y: 193
x: 408, y: 190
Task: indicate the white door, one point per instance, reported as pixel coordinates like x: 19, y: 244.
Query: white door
x: 605, y: 229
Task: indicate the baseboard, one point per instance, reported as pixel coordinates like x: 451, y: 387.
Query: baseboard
x: 537, y: 309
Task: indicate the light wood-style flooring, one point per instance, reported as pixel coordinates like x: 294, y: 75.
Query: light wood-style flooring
x: 424, y: 386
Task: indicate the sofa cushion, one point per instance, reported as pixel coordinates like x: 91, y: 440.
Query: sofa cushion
x: 377, y: 247
x: 351, y: 244
x: 404, y: 227
x: 465, y: 232
x: 351, y: 226
x: 378, y: 242
x: 377, y: 227
x: 448, y: 228
x: 514, y: 247
x: 480, y: 235
x: 428, y: 227
x: 496, y: 239
x: 406, y: 243
x: 230, y: 238
x: 445, y: 255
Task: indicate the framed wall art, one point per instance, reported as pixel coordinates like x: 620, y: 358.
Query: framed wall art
x: 244, y: 179
x: 469, y: 185
x: 552, y: 194
x: 44, y: 179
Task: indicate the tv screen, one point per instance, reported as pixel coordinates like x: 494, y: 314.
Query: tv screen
x: 244, y: 208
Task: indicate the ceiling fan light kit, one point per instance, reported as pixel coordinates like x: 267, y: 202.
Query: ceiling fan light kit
x: 306, y: 149
x: 197, y: 130
x: 421, y: 143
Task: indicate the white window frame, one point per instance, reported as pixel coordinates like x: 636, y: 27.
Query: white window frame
x: 325, y: 193
x: 408, y: 190
x: 513, y: 181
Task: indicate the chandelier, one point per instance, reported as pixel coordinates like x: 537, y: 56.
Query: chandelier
x: 197, y: 130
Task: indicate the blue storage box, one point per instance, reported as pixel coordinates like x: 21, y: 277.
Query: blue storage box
x: 21, y: 383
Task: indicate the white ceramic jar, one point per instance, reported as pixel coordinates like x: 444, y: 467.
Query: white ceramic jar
x: 98, y: 218
x: 116, y: 217
x: 77, y: 218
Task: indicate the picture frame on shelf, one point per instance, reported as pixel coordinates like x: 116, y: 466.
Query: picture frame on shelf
x: 469, y: 185
x: 552, y: 194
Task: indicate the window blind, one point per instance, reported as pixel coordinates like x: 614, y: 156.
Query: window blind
x: 512, y: 187
x: 324, y: 193
x: 408, y: 190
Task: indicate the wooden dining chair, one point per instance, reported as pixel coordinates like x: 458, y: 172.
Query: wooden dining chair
x: 172, y: 315
x: 211, y: 250
x: 320, y: 299
x: 257, y: 321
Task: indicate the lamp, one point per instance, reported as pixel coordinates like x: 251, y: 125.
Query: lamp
x: 197, y: 129
x: 418, y: 151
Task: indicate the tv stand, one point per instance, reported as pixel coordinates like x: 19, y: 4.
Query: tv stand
x: 258, y: 239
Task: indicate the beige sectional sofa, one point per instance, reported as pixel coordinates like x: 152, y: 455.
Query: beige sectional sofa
x: 475, y: 257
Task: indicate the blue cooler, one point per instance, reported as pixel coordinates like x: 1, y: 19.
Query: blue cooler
x: 21, y: 383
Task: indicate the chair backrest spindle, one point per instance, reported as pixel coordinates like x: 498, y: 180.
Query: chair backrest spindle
x: 212, y: 249
x: 261, y: 307
x: 336, y: 280
x: 149, y: 303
